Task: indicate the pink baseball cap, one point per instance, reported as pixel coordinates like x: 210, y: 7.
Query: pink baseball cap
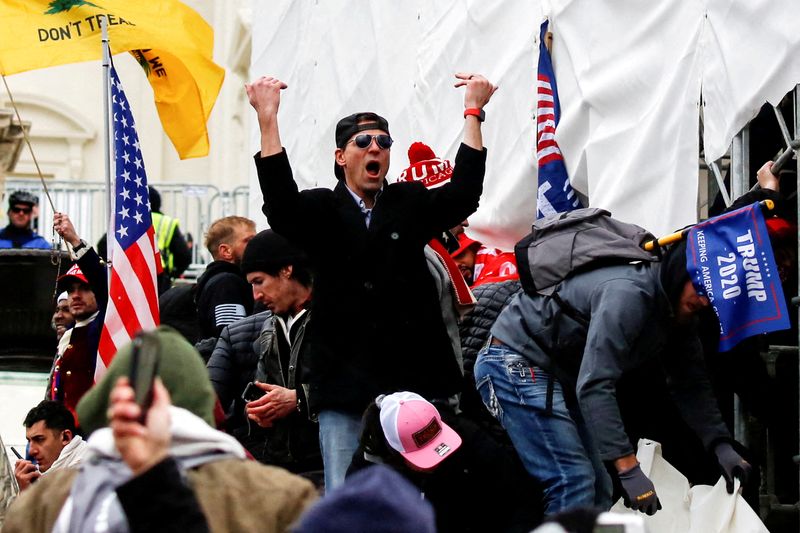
x: 413, y: 427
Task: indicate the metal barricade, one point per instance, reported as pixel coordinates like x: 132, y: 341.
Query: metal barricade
x: 196, y: 206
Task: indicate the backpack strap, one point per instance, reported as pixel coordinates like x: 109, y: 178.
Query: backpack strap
x: 551, y: 384
x: 523, y: 266
x: 570, y: 311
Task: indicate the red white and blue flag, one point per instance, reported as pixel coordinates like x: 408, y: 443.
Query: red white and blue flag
x: 555, y: 194
x: 135, y: 262
x: 729, y: 259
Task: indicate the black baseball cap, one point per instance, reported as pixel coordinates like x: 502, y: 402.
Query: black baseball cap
x: 352, y: 124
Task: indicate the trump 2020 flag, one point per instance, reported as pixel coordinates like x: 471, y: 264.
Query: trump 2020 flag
x: 729, y: 259
x: 132, y: 293
x: 555, y: 194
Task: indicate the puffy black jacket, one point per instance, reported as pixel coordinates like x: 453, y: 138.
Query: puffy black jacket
x: 474, y: 327
x: 474, y: 330
x: 233, y: 365
x: 244, y: 346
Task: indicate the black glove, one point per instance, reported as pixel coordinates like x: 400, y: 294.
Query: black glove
x: 638, y: 491
x: 732, y: 465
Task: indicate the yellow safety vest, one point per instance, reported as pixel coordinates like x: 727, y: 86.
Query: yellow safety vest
x: 164, y: 227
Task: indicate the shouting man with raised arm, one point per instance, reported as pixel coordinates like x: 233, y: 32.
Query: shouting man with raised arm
x: 377, y: 326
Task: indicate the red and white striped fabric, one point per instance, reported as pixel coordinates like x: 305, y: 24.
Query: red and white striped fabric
x: 546, y: 146
x: 555, y: 193
x: 133, y: 291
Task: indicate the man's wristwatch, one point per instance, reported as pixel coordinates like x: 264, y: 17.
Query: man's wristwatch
x: 475, y: 112
x: 80, y: 246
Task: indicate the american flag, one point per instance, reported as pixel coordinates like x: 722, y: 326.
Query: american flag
x: 555, y: 194
x: 132, y: 295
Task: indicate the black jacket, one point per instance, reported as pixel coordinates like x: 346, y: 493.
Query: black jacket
x: 475, y: 326
x: 248, y: 350
x: 292, y: 442
x: 474, y: 330
x: 223, y: 296
x: 233, y: 365
x: 377, y: 319
x: 177, y: 309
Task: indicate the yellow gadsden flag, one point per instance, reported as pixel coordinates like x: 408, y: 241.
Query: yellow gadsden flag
x: 171, y: 42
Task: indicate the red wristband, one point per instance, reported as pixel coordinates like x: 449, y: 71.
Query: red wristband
x: 475, y: 112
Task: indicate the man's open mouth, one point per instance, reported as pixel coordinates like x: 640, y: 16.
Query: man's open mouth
x: 373, y: 168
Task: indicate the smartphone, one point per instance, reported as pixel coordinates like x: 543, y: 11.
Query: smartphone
x: 252, y: 392
x: 144, y: 368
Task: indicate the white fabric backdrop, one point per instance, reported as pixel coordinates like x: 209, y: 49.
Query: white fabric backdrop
x: 629, y: 76
x: 398, y: 59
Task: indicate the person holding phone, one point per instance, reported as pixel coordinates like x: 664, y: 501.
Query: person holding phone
x: 53, y: 443
x: 162, y: 467
x: 257, y: 365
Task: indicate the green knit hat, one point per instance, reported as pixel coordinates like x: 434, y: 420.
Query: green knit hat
x: 181, y: 369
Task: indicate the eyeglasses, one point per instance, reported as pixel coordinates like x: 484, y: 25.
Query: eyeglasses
x: 383, y: 141
x: 17, y: 209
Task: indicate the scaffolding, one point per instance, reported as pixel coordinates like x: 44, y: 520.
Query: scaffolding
x: 739, y: 164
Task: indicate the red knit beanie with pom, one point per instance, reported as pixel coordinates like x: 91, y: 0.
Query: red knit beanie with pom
x: 426, y: 167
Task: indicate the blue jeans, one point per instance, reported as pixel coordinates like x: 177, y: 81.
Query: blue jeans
x: 554, y: 447
x: 338, y: 438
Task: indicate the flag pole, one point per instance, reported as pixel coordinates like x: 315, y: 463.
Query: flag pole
x: 766, y: 206
x: 107, y: 143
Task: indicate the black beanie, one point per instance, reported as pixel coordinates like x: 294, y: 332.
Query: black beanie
x: 673, y: 271
x: 269, y: 252
x: 155, y: 199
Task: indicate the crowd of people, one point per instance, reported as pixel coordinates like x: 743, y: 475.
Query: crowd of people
x: 367, y: 353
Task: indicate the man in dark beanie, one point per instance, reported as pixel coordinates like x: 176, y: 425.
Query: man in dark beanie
x: 378, y: 325
x: 269, y: 349
x: 559, y: 404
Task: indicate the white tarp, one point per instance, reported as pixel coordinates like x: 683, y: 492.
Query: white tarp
x: 685, y: 509
x: 629, y: 76
x: 398, y: 59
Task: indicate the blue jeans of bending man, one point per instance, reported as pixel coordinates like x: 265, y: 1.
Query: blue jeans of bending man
x: 554, y: 446
x: 338, y: 438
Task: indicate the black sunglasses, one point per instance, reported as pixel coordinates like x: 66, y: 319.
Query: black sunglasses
x: 383, y: 141
x: 17, y: 209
